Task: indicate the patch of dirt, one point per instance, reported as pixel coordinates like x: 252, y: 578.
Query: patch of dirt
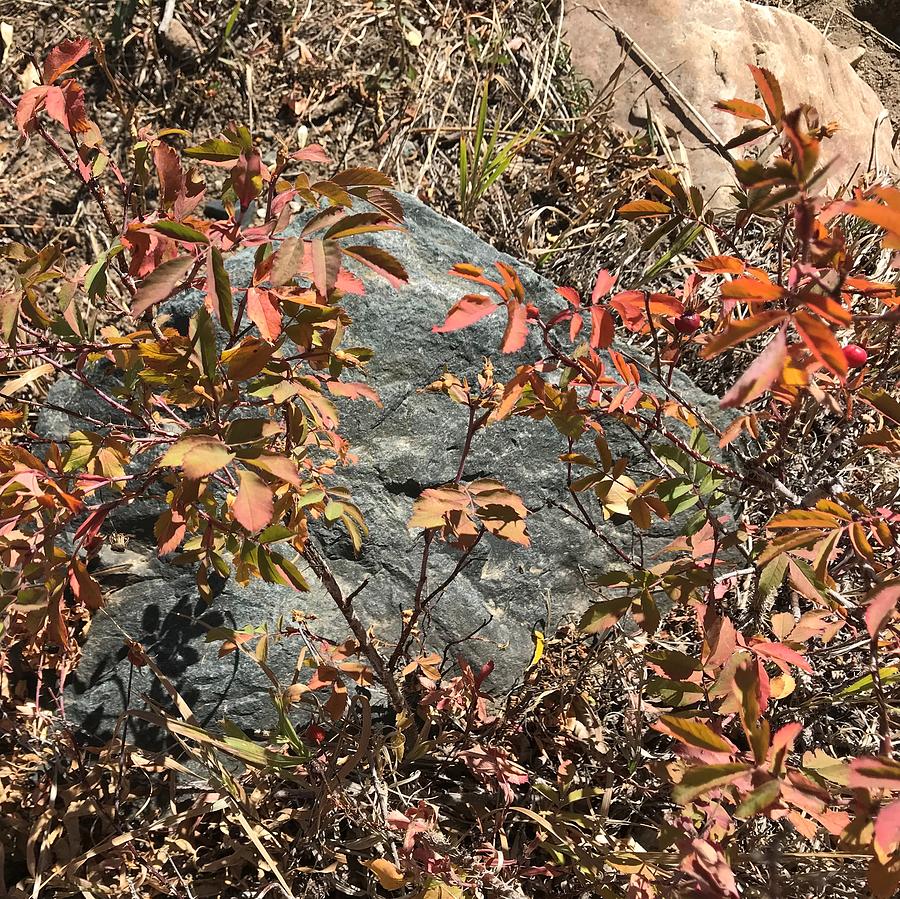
x: 393, y: 84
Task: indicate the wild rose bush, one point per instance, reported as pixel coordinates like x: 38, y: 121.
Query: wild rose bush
x: 234, y: 424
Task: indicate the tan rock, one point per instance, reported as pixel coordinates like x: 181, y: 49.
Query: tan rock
x: 703, y: 47
x: 180, y: 43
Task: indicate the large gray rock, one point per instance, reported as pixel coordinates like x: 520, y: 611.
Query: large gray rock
x: 703, y: 47
x: 412, y: 443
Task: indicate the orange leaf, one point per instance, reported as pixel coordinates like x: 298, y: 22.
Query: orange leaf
x: 830, y: 309
x: 743, y: 109
x: 516, y: 327
x: 197, y: 455
x: 638, y: 209
x: 720, y: 265
x: 803, y: 518
x: 751, y: 290
x: 887, y: 217
x: 253, y: 506
x: 470, y: 309
x: 739, y: 330
x: 821, y: 342
x: 264, y: 312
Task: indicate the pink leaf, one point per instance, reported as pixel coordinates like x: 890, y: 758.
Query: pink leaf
x: 881, y: 605
x: 887, y: 830
x: 758, y: 378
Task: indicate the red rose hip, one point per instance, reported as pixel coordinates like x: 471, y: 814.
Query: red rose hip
x: 687, y: 323
x: 855, y: 355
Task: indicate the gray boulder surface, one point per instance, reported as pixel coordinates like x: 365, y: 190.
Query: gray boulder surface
x: 413, y: 442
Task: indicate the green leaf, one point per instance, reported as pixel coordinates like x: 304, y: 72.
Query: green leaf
x: 232, y: 19
x: 602, y: 615
x: 703, y: 778
x: 693, y: 732
x: 772, y: 577
x: 204, y: 335
x: 95, y: 281
x: 219, y: 296
x: 180, y: 231
x: 760, y: 799
x: 214, y: 151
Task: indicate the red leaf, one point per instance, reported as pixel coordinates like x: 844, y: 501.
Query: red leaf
x: 881, y: 606
x: 161, y: 283
x: 470, y: 309
x: 575, y: 325
x: 84, y: 586
x: 770, y: 91
x: 63, y: 56
x: 782, y: 653
x: 602, y: 328
x: 381, y: 262
x: 30, y: 104
x: 253, y: 506
x: 326, y: 263
x: 516, y: 327
x: 570, y: 295
x: 171, y: 176
x: 264, y: 312
x: 603, y: 285
x: 66, y: 105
